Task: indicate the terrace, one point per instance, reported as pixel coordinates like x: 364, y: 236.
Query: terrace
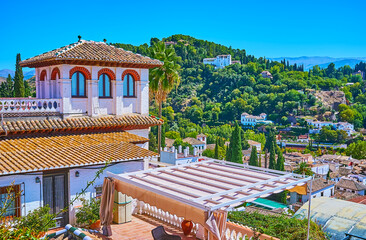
x: 203, y: 192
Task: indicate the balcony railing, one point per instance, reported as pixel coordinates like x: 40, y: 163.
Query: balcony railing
x: 29, y: 105
x: 233, y: 231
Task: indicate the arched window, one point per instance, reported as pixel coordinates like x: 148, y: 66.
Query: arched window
x: 104, y: 85
x: 78, y: 85
x: 128, y: 86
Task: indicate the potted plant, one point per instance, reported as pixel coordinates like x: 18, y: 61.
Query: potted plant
x: 88, y: 214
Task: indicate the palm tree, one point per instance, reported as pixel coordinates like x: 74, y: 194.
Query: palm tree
x: 163, y: 78
x: 304, y: 169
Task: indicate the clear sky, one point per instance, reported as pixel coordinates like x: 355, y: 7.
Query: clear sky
x: 264, y: 28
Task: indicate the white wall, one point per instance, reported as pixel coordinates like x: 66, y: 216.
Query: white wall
x: 78, y: 183
x: 142, y: 133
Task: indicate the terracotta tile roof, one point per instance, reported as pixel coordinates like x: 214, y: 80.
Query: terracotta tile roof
x: 360, y: 199
x: 91, y: 51
x: 82, y: 123
x: 169, y: 142
x: 42, y: 153
x: 320, y: 183
x: 193, y: 141
x: 350, y: 184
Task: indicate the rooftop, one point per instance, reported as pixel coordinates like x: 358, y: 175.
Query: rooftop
x: 125, y: 122
x: 193, y: 141
x: 90, y: 52
x: 350, y: 184
x: 45, y: 153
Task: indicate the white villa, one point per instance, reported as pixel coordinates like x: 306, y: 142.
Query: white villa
x: 250, y: 120
x: 345, y: 126
x: 92, y: 106
x: 219, y: 61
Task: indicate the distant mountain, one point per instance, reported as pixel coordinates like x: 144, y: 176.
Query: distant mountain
x: 5, y: 72
x: 323, y: 62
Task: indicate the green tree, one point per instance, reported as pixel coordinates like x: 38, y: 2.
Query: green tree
x: 253, y: 160
x: 272, y: 157
x: 216, y: 156
x: 163, y: 78
x: 235, y: 146
x: 304, y: 169
x: 19, y: 90
x: 280, y: 165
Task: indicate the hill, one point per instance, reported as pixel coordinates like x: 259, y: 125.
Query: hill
x: 323, y: 62
x: 28, y: 74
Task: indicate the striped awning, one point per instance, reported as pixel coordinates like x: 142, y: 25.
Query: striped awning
x: 208, y: 185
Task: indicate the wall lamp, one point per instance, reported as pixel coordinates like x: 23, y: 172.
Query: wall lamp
x: 38, y: 180
x: 77, y: 174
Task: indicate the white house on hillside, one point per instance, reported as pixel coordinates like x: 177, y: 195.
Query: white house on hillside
x: 345, y: 126
x: 247, y: 119
x: 219, y: 61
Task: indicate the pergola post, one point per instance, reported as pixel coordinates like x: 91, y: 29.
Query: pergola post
x: 311, y: 186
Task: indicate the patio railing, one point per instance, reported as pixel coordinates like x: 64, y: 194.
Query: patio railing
x: 29, y: 105
x: 234, y: 231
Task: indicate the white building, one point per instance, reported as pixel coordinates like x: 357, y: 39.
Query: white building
x: 256, y: 145
x: 345, y: 126
x: 219, y: 61
x: 320, y: 188
x: 250, y: 120
x: 91, y: 107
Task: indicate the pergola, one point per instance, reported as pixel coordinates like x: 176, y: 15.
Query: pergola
x: 195, y: 191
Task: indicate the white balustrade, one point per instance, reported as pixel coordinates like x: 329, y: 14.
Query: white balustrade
x: 25, y: 105
x: 163, y: 216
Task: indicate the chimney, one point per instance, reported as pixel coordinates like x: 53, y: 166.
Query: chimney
x: 175, y: 154
x: 179, y: 149
x: 194, y: 151
x: 79, y: 38
x: 165, y: 149
x: 173, y: 149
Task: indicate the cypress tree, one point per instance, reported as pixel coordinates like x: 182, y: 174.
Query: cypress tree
x: 235, y: 146
x: 253, y: 160
x: 260, y: 160
x: 228, y: 151
x: 272, y: 157
x: 19, y: 90
x: 280, y: 165
x: 216, y: 156
x: 9, y: 86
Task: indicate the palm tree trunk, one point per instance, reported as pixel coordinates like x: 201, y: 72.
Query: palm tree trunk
x: 159, y: 131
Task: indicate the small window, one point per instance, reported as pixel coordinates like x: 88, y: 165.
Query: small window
x: 322, y: 194
x: 98, y: 191
x: 128, y: 86
x: 104, y: 86
x: 78, y: 85
x: 10, y: 197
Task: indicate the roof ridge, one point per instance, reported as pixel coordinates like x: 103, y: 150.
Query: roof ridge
x: 68, y: 47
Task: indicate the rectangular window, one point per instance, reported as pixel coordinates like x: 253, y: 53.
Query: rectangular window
x: 10, y: 197
x: 98, y: 191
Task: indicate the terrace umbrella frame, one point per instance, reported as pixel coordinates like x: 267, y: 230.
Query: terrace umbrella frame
x: 197, y: 190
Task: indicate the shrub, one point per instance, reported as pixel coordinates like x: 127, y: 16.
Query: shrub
x: 88, y: 213
x: 278, y: 226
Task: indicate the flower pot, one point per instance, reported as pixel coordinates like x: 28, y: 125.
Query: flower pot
x: 187, y: 226
x: 95, y: 225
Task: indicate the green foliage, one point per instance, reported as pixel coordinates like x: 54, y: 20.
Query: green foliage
x: 272, y: 157
x: 253, y: 160
x: 40, y: 219
x: 172, y: 134
x: 7, y: 87
x: 88, y: 213
x: 304, y: 169
x: 216, y: 150
x: 153, y: 144
x: 357, y: 150
x: 19, y: 90
x: 280, y: 227
x: 280, y: 165
x: 235, y: 149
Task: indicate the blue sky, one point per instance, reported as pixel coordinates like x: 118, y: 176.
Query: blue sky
x: 264, y: 28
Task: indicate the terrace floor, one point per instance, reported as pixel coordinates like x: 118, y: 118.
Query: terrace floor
x: 140, y: 229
